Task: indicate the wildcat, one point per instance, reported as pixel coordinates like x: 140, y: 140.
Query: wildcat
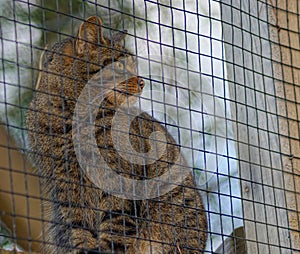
x: 84, y: 218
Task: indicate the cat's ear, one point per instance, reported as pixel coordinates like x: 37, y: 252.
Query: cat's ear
x: 89, y: 35
x: 118, y: 38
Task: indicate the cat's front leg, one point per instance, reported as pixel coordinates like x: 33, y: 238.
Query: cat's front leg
x: 72, y: 226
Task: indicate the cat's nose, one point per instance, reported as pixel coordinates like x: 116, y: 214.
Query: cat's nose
x: 141, y: 83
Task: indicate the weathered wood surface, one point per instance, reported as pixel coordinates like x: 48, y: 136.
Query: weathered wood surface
x: 285, y: 42
x: 269, y: 177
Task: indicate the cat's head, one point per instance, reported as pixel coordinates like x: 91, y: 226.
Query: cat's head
x: 88, y: 52
x: 83, y: 57
x: 119, y: 82
x: 93, y: 48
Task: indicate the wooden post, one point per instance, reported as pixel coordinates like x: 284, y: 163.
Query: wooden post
x: 285, y: 42
x: 257, y: 114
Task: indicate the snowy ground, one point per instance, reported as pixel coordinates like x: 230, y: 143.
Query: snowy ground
x: 186, y: 90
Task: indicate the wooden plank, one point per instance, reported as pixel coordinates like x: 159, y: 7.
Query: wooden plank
x: 254, y: 110
x: 286, y: 63
x: 21, y: 204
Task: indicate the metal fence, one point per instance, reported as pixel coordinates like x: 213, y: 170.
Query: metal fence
x: 219, y: 82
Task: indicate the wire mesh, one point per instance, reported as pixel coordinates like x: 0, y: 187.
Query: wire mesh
x: 219, y: 80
